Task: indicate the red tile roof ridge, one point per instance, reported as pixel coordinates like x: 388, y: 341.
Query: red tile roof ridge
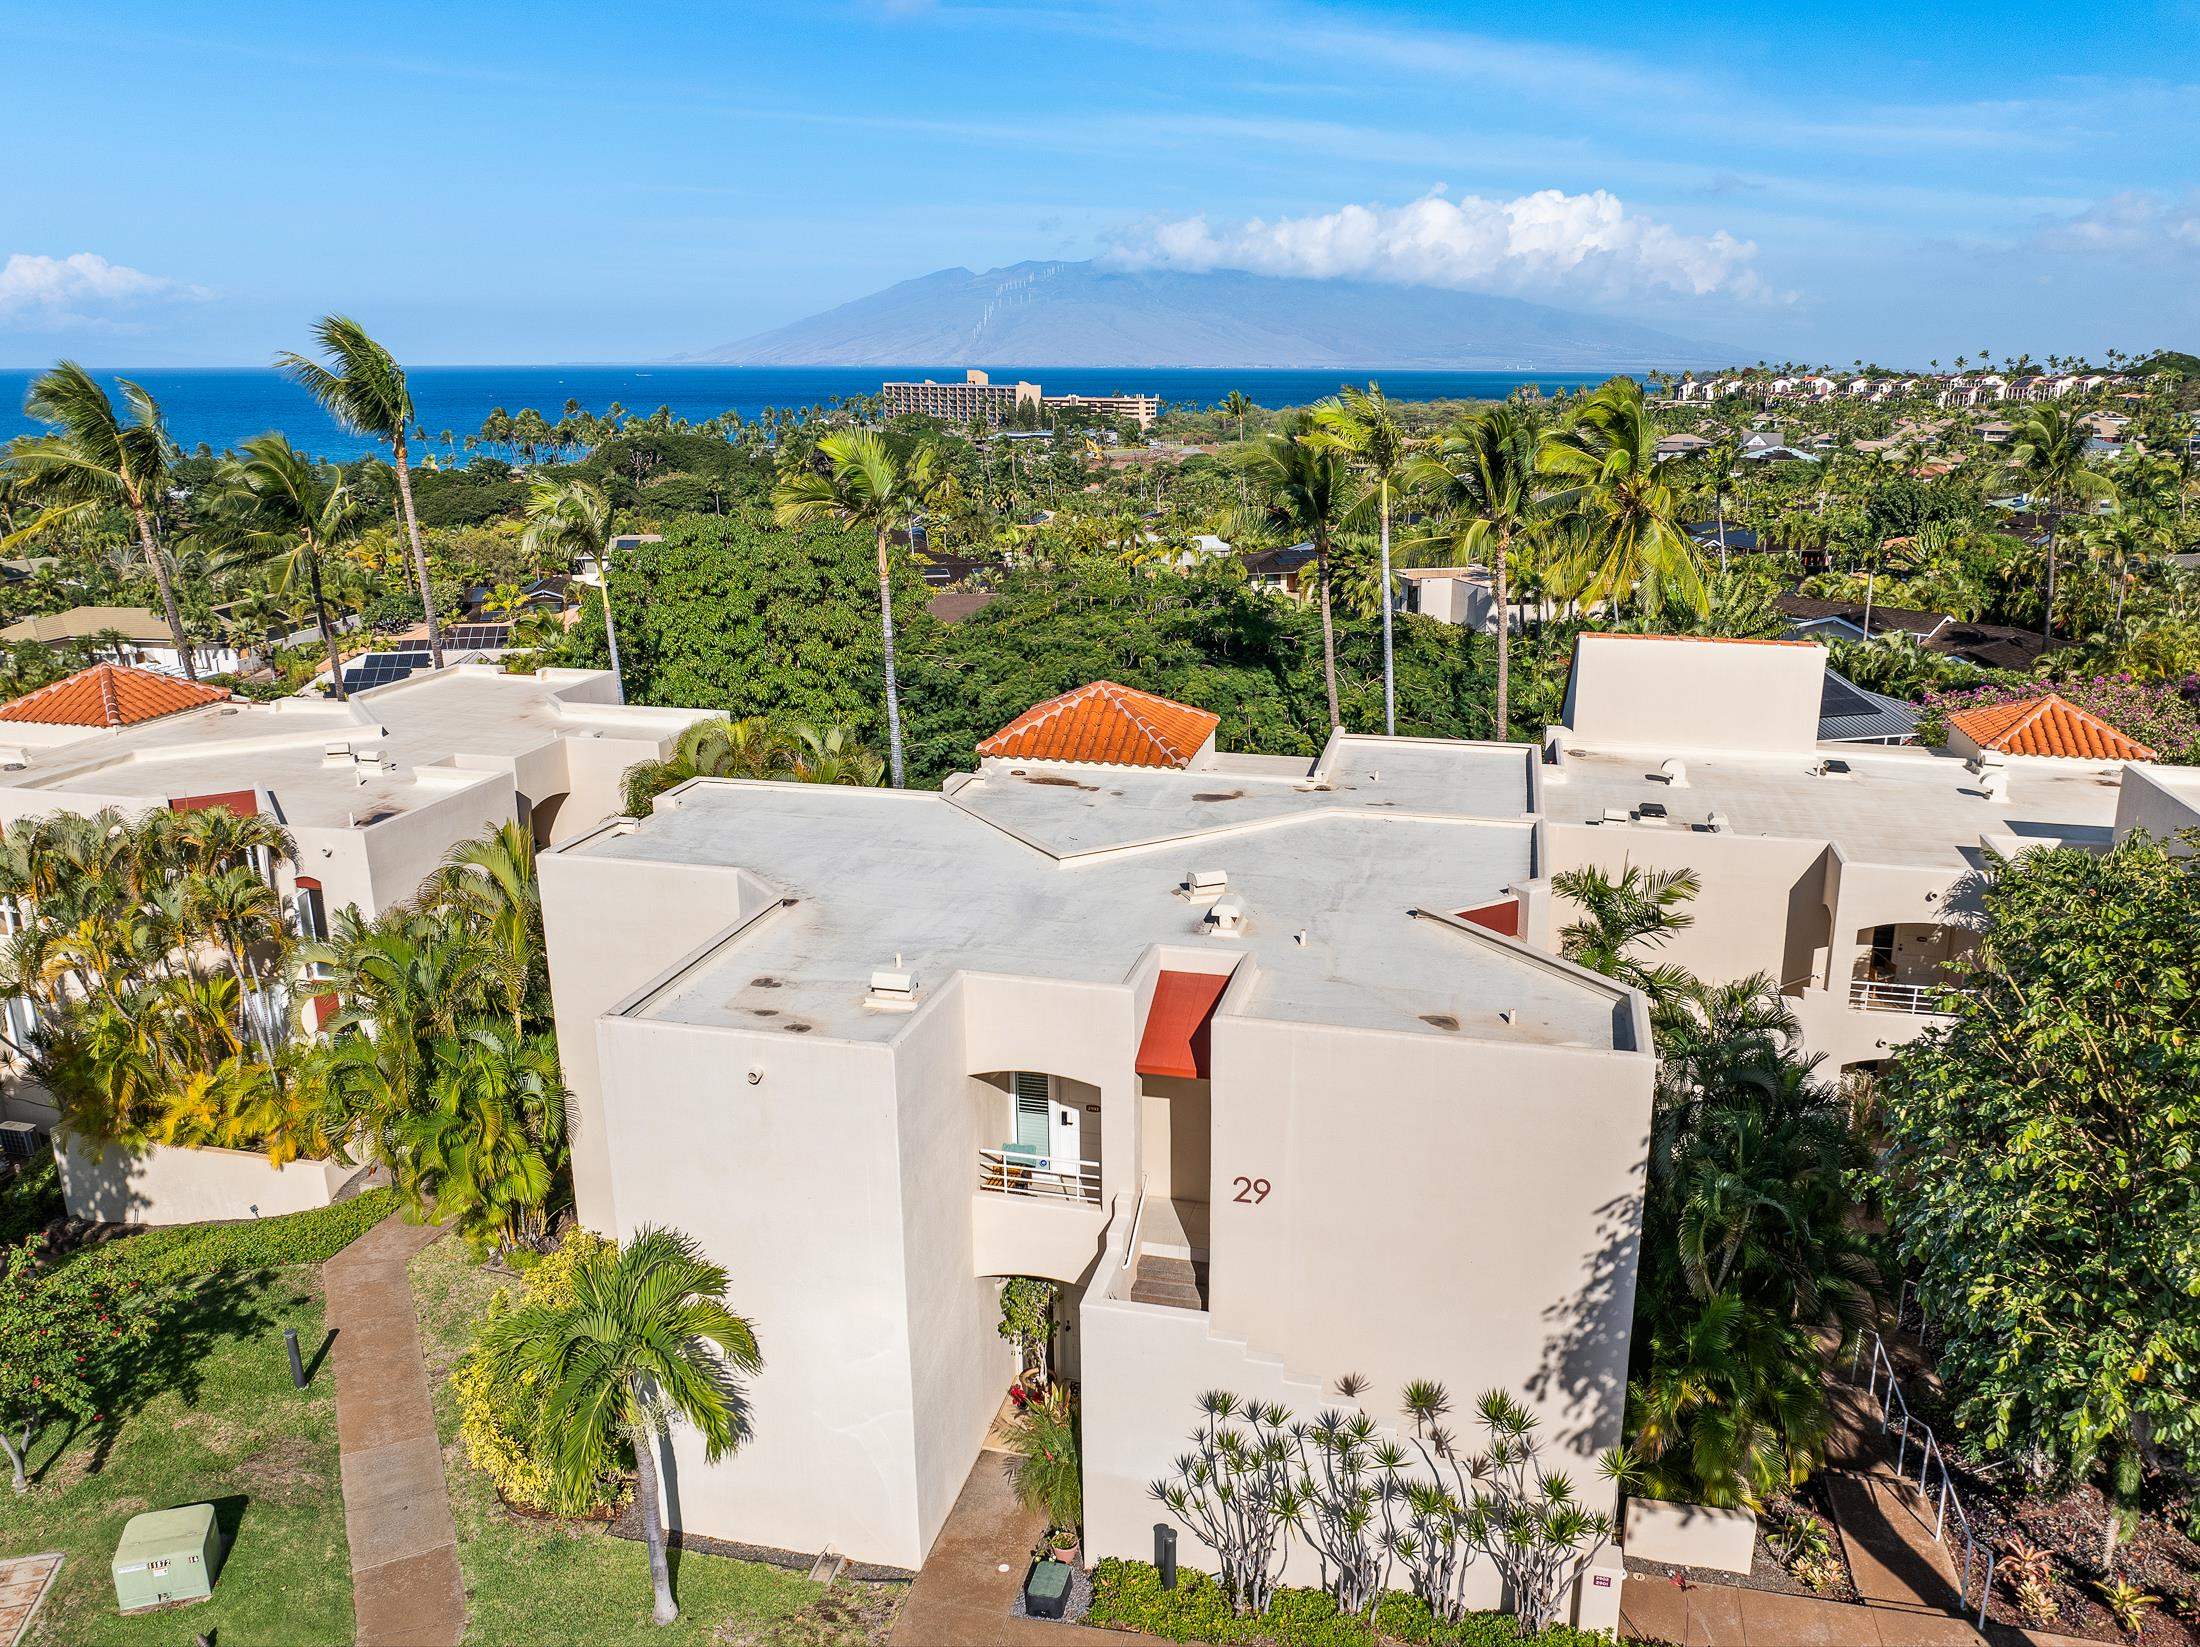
x: 1145, y: 729
x: 110, y: 695
x: 2049, y: 725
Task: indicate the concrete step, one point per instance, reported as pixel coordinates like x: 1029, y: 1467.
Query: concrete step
x: 1177, y: 1282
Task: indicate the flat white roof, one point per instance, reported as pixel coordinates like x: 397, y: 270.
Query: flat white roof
x: 434, y: 730
x: 1078, y: 880
x: 1918, y: 808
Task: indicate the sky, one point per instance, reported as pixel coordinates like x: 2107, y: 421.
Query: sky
x: 491, y: 183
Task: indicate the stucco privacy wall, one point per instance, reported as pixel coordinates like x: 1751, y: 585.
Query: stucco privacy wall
x: 164, y: 1184
x: 1658, y: 692
x: 2157, y: 801
x: 1691, y: 1535
x: 793, y: 1183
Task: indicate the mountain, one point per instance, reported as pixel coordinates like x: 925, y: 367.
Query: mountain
x: 1089, y: 314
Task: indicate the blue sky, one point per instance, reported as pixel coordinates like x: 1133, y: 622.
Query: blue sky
x: 506, y: 183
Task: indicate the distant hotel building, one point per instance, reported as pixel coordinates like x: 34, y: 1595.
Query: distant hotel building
x: 978, y: 396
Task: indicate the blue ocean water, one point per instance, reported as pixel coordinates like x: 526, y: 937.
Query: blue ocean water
x: 219, y: 406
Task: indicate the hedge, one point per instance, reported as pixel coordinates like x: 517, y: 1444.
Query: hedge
x: 186, y: 1250
x: 1128, y: 1595
x: 31, y: 1200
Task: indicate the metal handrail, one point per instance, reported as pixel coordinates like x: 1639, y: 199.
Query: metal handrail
x: 1888, y: 1393
x: 1138, y: 1220
x: 1927, y: 1000
x: 1038, y: 1176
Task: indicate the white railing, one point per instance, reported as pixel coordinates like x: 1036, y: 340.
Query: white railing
x: 1010, y: 1172
x: 1894, y: 1418
x: 1929, y: 1000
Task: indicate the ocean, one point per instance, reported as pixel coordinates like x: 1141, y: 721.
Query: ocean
x: 219, y: 406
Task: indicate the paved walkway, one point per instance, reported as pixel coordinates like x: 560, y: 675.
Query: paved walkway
x: 962, y: 1598
x: 23, y: 1585
x: 1726, y: 1615
x: 404, y: 1549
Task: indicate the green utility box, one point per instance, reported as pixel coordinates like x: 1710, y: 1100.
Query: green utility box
x: 167, y: 1555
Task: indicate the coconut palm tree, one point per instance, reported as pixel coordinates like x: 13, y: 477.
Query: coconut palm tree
x: 1619, y: 506
x: 96, y: 455
x: 360, y: 384
x: 1235, y: 405
x: 645, y: 1340
x: 566, y: 520
x: 877, y: 483
x: 1303, y: 484
x: 1621, y: 917
x: 485, y: 1148
x: 279, y: 503
x: 1361, y: 424
x: 487, y: 883
x: 2049, y: 450
x: 1482, y: 487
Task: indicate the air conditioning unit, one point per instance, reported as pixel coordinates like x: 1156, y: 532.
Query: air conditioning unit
x: 20, y: 1141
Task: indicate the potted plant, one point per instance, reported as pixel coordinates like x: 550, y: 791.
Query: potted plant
x: 1048, y: 1469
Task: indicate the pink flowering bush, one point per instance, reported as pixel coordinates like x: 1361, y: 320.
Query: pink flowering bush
x: 2156, y: 713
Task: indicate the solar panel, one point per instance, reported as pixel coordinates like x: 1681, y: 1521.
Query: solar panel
x: 477, y: 637
x: 381, y: 668
x: 1838, y: 700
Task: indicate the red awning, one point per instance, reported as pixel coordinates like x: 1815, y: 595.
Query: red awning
x: 244, y: 802
x: 1175, y: 1042
x: 1499, y: 915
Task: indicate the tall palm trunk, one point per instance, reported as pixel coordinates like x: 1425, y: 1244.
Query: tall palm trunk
x: 893, y: 686
x: 328, y: 629
x: 167, y: 588
x: 2047, y: 618
x: 1390, y: 683
x: 419, y: 555
x: 1498, y: 573
x: 1329, y: 630
x: 653, y: 1524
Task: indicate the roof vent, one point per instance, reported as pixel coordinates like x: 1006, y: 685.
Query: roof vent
x: 1226, y: 918
x: 370, y: 758
x: 1617, y: 815
x: 1673, y: 772
x: 1833, y: 768
x: 1717, y: 824
x: 892, y: 988
x: 1206, y: 883
x: 336, y: 754
x: 1652, y: 812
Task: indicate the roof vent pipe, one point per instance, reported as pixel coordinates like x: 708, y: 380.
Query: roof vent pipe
x: 1206, y: 883
x: 1674, y: 771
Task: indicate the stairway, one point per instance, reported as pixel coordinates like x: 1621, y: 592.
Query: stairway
x: 1180, y: 1283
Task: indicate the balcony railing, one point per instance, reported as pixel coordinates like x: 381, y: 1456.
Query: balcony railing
x: 1926, y: 1000
x: 1013, y: 1171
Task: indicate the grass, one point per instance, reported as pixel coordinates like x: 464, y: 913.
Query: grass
x: 533, y: 1582
x: 216, y: 1420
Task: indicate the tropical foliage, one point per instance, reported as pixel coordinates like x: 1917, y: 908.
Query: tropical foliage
x: 66, y: 1331
x: 753, y: 747
x: 2040, y: 1167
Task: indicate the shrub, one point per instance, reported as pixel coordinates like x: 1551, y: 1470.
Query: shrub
x: 1128, y: 1595
x: 31, y: 1200
x: 492, y: 1415
x: 314, y: 1237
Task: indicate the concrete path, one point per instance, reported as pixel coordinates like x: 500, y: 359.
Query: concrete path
x: 1726, y: 1615
x: 962, y: 1598
x: 23, y: 1585
x: 404, y: 1549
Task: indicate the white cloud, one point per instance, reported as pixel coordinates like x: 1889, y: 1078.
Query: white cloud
x: 1543, y: 244
x: 2136, y: 223
x: 41, y: 292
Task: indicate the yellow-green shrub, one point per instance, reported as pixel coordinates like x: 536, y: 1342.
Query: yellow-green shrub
x: 493, y: 1418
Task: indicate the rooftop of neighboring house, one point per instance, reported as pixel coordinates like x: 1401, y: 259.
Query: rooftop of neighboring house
x: 424, y: 737
x: 109, y: 695
x: 1349, y: 871
x: 132, y: 623
x: 2049, y: 725
x: 1109, y: 724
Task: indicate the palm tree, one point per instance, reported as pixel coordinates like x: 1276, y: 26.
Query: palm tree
x: 1304, y: 481
x: 283, y: 502
x: 2049, y: 448
x: 485, y: 1149
x: 875, y: 482
x: 1361, y: 424
x: 1638, y: 910
x: 96, y: 455
x: 646, y: 1338
x: 1617, y: 504
x: 488, y: 882
x: 1481, y: 482
x: 566, y: 520
x: 363, y: 388
x: 1236, y: 404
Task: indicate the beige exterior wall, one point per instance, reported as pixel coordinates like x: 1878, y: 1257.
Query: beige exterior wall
x: 2158, y: 800
x: 1656, y: 692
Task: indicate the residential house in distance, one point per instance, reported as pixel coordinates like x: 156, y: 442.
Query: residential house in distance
x: 1248, y: 1053
x: 136, y: 636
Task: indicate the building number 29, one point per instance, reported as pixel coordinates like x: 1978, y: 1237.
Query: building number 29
x: 1251, y: 1190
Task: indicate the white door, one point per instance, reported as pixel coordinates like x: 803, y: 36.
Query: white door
x: 1065, y: 1121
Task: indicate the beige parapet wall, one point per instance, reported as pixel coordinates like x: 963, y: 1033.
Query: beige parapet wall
x: 1691, y: 1535
x: 166, y: 1184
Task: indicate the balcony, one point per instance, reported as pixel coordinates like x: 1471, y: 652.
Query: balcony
x: 1918, y: 1000
x: 1013, y: 1170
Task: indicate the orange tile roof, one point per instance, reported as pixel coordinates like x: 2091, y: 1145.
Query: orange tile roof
x: 1719, y: 640
x: 109, y: 694
x: 1104, y: 722
x: 2048, y: 725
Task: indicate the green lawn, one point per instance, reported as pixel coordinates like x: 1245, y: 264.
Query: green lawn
x: 217, y: 1420
x: 530, y: 1582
